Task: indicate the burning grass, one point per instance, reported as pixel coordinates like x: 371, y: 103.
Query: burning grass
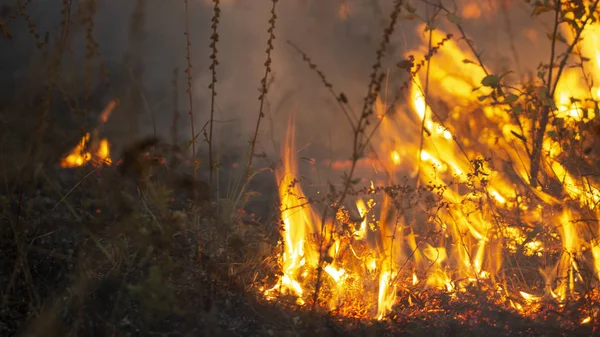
x: 468, y: 207
x: 394, y: 250
x: 463, y: 220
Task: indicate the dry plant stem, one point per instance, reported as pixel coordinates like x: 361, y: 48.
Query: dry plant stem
x: 539, y: 133
x: 189, y: 83
x: 586, y: 76
x: 414, y: 251
x: 174, y: 126
x: 319, y: 266
x: 33, y: 30
x: 412, y: 74
x: 376, y: 79
x: 422, y: 131
x: 576, y: 40
x: 264, y: 87
x: 22, y: 255
x: 339, y: 99
x: 42, y: 115
x: 65, y: 22
x: 545, y: 112
x: 463, y: 34
x: 91, y: 46
x: 142, y: 96
x: 370, y: 98
x: 133, y: 60
x: 214, y: 38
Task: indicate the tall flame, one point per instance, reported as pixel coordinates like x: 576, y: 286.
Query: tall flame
x: 472, y: 163
x: 298, y: 220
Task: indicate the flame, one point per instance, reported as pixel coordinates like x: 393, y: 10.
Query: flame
x: 362, y: 210
x: 299, y: 223
x: 89, y: 149
x: 474, y: 164
x: 386, y: 298
x: 99, y: 154
x: 529, y: 298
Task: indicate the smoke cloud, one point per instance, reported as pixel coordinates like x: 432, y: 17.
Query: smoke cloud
x: 341, y: 37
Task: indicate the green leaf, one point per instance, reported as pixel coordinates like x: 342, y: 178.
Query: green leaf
x: 541, y: 75
x: 490, y: 81
x: 552, y: 134
x: 517, y: 109
x: 559, y: 37
x: 506, y: 73
x: 521, y: 137
x: 510, y: 98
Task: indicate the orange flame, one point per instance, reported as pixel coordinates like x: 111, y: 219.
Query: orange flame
x: 80, y: 156
x: 299, y: 223
x: 462, y: 241
x: 88, y: 149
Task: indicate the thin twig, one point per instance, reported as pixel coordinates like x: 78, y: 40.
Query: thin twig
x: 264, y: 86
x: 214, y: 38
x: 188, y: 70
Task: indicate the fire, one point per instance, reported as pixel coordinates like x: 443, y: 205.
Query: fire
x: 386, y: 297
x: 299, y: 224
x: 473, y: 166
x: 89, y: 149
x: 81, y: 155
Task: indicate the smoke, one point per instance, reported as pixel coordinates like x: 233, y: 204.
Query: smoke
x: 341, y: 37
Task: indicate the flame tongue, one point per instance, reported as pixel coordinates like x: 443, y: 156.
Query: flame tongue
x: 454, y: 236
x: 301, y: 254
x: 299, y: 223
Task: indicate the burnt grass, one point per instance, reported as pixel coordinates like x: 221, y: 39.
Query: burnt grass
x: 130, y: 250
